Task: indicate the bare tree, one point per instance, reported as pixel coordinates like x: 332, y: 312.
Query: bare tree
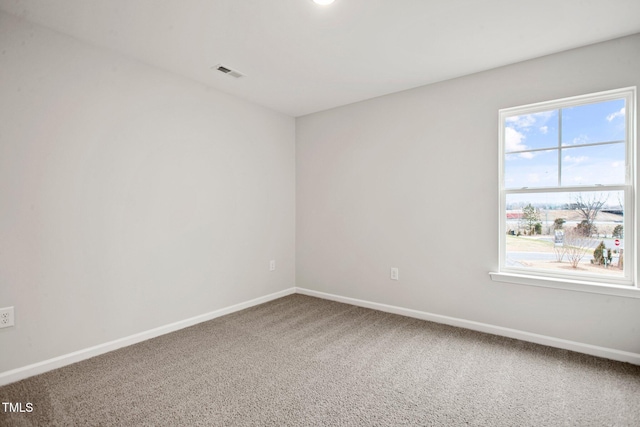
x: 589, y: 207
x: 576, y: 246
x: 620, y: 204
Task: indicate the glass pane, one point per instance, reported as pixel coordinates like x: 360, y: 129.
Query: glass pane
x: 599, y: 164
x: 531, y: 131
x: 592, y: 123
x: 566, y: 232
x: 531, y: 169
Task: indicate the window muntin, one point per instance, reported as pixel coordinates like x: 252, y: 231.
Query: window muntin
x: 555, y: 156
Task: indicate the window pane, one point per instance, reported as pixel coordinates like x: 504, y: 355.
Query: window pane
x: 561, y: 232
x: 599, y: 164
x: 531, y: 131
x: 531, y: 169
x: 592, y: 123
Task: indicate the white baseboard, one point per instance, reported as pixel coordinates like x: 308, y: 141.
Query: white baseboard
x: 607, y: 353
x: 77, y: 356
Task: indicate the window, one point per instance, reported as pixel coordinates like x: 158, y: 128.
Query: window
x: 567, y: 192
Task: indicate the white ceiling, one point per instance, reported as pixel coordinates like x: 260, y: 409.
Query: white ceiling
x: 300, y: 58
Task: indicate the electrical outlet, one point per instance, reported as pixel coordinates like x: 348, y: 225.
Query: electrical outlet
x: 6, y: 317
x: 395, y: 275
x: 272, y: 265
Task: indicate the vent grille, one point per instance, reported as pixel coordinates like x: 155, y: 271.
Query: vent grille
x: 229, y: 71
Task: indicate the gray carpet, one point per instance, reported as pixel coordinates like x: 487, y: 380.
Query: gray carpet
x: 303, y: 361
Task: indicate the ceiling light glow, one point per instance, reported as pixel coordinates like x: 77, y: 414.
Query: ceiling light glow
x: 323, y: 2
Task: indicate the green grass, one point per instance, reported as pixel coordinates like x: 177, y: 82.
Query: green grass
x: 528, y: 244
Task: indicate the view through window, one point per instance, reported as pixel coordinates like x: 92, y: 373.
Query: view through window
x: 567, y: 188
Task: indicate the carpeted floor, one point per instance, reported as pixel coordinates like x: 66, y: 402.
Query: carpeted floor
x: 303, y: 361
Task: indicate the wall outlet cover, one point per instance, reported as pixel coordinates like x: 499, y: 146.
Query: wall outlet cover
x: 6, y: 317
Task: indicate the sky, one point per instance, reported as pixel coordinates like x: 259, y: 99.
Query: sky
x: 582, y: 159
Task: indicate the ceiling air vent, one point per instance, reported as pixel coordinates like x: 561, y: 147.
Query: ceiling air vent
x: 228, y: 71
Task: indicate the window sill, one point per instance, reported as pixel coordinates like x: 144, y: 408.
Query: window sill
x: 572, y: 285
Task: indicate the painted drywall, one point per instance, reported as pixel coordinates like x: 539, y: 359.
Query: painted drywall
x: 410, y: 180
x: 130, y: 198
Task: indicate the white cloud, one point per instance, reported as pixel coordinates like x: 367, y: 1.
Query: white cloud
x: 522, y: 121
x: 513, y: 140
x: 544, y: 130
x: 578, y: 159
x: 526, y: 121
x: 581, y: 139
x: 620, y: 113
x: 527, y: 155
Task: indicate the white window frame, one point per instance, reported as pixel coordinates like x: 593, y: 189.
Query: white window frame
x: 628, y: 286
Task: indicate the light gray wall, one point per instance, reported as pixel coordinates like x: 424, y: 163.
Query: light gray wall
x: 130, y: 198
x: 410, y: 180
